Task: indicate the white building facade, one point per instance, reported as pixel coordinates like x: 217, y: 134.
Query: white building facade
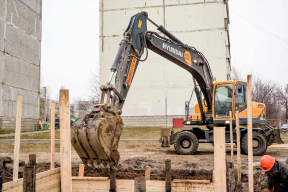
x: 160, y: 88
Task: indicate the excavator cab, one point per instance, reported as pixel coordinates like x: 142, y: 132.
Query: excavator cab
x: 229, y: 96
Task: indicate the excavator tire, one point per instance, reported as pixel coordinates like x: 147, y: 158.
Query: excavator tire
x: 259, y: 144
x: 186, y: 143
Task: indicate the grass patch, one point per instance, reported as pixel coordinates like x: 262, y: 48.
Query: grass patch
x: 41, y: 136
x: 5, y: 132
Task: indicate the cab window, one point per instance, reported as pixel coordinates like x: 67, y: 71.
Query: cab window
x: 223, y: 101
x: 240, y: 97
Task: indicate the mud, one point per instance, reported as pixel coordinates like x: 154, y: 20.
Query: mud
x: 7, y: 168
x: 135, y: 167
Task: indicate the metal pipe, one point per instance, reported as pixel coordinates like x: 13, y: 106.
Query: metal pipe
x: 111, y: 77
x: 153, y: 22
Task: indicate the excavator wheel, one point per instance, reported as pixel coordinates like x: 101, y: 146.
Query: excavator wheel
x: 259, y: 144
x: 186, y: 143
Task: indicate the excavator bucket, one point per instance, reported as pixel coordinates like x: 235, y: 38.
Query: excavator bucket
x: 96, y: 139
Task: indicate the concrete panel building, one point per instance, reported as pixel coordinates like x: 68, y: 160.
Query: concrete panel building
x: 20, y: 48
x: 160, y: 88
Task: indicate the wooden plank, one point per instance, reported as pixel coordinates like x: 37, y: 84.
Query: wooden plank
x: 15, y: 189
x: 156, y: 186
x: 11, y: 184
x: 65, y: 141
x: 193, y: 187
x: 17, y: 139
x: 112, y: 179
x: 44, y: 180
x: 168, y: 175
x: 147, y: 172
x: 140, y: 184
x: 29, y: 176
x: 51, y: 180
x: 91, y: 178
x: 52, y: 155
x: 219, y: 159
x: 231, y: 138
x: 190, y: 181
x: 250, y: 133
x: 238, y: 147
x: 47, y: 173
x: 81, y: 170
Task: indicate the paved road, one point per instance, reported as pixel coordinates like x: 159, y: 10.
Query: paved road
x: 25, y: 133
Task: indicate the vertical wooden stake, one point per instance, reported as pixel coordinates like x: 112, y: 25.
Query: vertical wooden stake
x: 65, y: 141
x: 250, y: 133
x: 139, y: 184
x: 17, y: 139
x: 238, y: 147
x: 52, y: 135
x: 81, y: 170
x: 220, y: 159
x: 147, y: 172
x: 113, y: 179
x: 231, y: 138
x: 29, y: 176
x: 168, y: 175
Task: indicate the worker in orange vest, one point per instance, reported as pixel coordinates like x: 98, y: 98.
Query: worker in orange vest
x: 277, y: 173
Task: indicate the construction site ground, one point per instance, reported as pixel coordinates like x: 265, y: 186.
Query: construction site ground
x: 135, y: 155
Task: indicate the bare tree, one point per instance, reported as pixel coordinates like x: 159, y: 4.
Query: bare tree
x: 283, y: 99
x: 94, y: 88
x: 266, y: 92
x: 44, y: 107
x: 82, y: 107
x: 236, y: 74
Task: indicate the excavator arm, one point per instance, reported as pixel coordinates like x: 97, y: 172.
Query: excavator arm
x: 137, y: 39
x: 96, y: 136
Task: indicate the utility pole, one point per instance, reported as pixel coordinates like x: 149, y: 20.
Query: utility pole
x: 44, y: 103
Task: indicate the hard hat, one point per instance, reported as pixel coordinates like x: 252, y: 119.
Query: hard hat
x: 267, y: 162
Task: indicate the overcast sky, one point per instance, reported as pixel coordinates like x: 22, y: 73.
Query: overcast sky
x: 70, y: 45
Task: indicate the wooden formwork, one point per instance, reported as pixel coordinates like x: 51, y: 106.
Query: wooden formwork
x: 45, y: 181
x: 102, y: 184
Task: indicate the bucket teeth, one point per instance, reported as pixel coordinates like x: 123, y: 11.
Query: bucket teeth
x: 96, y: 140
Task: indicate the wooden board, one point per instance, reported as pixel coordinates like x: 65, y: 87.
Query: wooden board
x: 250, y: 134
x: 65, y: 141
x: 17, y: 139
x: 52, y: 135
x: 238, y: 147
x: 45, y: 181
x: 231, y: 138
x: 89, y: 184
x: 219, y: 159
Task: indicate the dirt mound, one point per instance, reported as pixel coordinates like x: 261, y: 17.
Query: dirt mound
x: 135, y: 167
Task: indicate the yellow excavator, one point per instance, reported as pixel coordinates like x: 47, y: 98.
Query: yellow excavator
x: 96, y: 136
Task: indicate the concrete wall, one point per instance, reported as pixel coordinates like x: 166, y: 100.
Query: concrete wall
x: 20, y: 48
x: 160, y: 87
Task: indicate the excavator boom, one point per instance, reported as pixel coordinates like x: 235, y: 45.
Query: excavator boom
x: 96, y: 136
